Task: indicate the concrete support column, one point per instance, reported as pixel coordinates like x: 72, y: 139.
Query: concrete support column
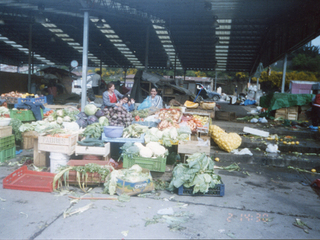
x: 284, y: 70
x: 85, y: 60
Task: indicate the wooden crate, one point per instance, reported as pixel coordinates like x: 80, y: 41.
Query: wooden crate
x: 190, y: 147
x: 28, y: 139
x: 292, y: 116
x: 5, y: 131
x: 281, y: 115
x: 58, y: 144
x: 198, y: 111
x: 226, y: 116
x: 86, y: 150
x: 293, y: 109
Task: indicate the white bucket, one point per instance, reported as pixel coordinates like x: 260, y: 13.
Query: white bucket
x: 56, y: 160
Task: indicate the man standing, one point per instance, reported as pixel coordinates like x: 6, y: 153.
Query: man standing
x: 315, y: 114
x: 95, y: 79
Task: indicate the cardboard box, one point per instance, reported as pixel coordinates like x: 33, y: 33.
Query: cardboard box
x: 134, y: 188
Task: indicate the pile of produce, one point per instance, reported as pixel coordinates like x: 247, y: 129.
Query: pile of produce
x: 40, y: 126
x: 62, y: 115
x: 140, y: 113
x: 225, y: 141
x: 133, y: 174
x: 197, y: 173
x: 118, y: 116
x: 169, y: 118
x: 16, y: 94
x: 195, y: 121
x: 3, y: 112
x: 207, y: 105
x: 189, y: 104
x: 91, y: 115
x: 134, y: 131
x: 168, y: 136
x: 150, y: 150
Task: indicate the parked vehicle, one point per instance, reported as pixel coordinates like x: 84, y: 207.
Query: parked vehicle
x: 76, y: 84
x: 207, y: 94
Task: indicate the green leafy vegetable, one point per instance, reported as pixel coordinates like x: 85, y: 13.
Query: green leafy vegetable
x: 197, y: 173
x: 15, y: 124
x: 93, y: 131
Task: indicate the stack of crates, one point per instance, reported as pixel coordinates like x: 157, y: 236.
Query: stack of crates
x: 7, y: 144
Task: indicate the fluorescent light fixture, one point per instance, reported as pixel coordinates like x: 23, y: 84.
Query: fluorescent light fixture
x: 222, y: 32
x: 224, y: 42
x: 162, y: 32
x: 218, y: 46
x: 78, y: 47
x: 123, y: 49
x: 224, y: 38
x: 55, y: 30
x: 111, y: 36
x: 157, y: 27
x: 221, y: 61
x: 17, y: 46
x: 62, y: 35
x: 224, y: 20
x: 164, y: 37
x: 119, y: 45
x: 4, y: 38
x: 10, y: 42
x: 166, y: 41
x: 126, y: 52
x: 115, y: 40
x: 132, y: 59
x: 171, y: 53
x: 107, y: 31
x: 168, y: 46
x: 221, y: 54
x: 23, y: 49
x: 128, y: 56
x: 221, y: 58
x: 51, y: 63
x: 68, y: 39
x: 224, y: 27
x: 221, y: 69
x: 73, y: 43
x: 222, y: 50
x: 49, y: 25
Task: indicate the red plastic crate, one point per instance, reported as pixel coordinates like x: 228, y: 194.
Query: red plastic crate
x: 27, y: 180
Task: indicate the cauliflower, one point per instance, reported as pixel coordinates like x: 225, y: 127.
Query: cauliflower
x: 67, y: 119
x: 60, y: 113
x: 145, y: 152
x: 139, y: 145
x: 50, y: 118
x: 59, y: 120
x: 157, y: 149
x: 173, y: 133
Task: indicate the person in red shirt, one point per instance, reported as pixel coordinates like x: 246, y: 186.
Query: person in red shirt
x: 111, y: 96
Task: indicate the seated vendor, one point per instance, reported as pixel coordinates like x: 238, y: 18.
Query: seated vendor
x: 156, y: 100
x: 111, y: 96
x: 129, y: 105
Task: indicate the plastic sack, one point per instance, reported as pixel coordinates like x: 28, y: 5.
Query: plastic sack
x: 242, y: 152
x: 263, y: 120
x: 249, y: 102
x: 272, y: 148
x: 254, y: 120
x: 145, y: 104
x: 201, y: 142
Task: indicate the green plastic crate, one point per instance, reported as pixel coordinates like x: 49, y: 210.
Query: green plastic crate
x: 23, y: 115
x: 7, y: 142
x: 7, y: 154
x: 152, y: 164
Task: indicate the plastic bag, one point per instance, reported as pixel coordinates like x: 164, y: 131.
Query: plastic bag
x: 242, y: 152
x: 272, y: 148
x: 254, y: 120
x: 145, y: 104
x: 263, y: 120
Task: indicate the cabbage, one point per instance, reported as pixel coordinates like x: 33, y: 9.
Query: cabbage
x: 92, y: 119
x: 90, y: 109
x: 104, y: 121
x: 82, y: 122
x: 99, y: 113
x: 82, y: 115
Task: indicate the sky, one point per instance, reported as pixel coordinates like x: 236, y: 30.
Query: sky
x: 316, y: 41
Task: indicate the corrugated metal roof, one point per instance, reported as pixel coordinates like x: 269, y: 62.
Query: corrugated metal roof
x: 182, y: 33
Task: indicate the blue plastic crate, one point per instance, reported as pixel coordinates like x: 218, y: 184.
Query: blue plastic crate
x: 146, y: 123
x: 122, y: 140
x: 217, y: 191
x: 42, y: 100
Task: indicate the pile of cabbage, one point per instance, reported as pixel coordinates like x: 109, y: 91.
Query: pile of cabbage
x: 91, y: 115
x: 168, y: 136
x: 198, y: 174
x: 150, y: 150
x: 62, y: 115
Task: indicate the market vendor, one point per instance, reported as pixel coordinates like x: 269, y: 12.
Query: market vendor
x: 156, y: 100
x: 111, y: 96
x: 315, y: 113
x: 129, y: 105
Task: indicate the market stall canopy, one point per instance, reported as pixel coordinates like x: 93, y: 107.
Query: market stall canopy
x: 222, y: 35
